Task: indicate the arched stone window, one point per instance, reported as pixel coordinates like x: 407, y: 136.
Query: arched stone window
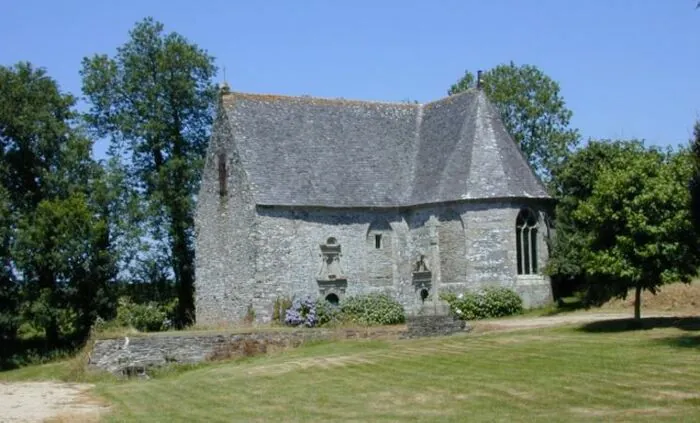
x: 526, y: 242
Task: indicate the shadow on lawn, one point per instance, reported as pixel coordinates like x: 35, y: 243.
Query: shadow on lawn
x: 623, y: 325
x: 567, y: 305
x: 19, y: 352
x: 683, y: 341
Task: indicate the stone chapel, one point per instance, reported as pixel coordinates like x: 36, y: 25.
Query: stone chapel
x: 304, y: 196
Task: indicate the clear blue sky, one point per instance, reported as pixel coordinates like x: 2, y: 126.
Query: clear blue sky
x: 627, y: 68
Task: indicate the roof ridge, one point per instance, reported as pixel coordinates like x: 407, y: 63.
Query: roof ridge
x: 229, y: 96
x: 483, y: 126
x: 341, y: 100
x: 519, y: 150
x: 452, y: 97
x: 418, y: 140
x: 462, y: 141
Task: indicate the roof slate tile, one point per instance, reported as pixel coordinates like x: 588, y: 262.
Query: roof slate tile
x: 307, y: 151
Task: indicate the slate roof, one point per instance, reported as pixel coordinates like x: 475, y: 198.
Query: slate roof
x: 339, y: 153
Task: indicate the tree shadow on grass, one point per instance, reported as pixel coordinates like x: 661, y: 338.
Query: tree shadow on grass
x: 567, y: 305
x: 682, y: 341
x: 19, y: 352
x: 624, y: 325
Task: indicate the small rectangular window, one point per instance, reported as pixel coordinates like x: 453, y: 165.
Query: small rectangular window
x: 378, y: 241
x: 222, y: 174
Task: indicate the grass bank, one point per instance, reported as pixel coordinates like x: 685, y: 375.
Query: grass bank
x: 561, y: 374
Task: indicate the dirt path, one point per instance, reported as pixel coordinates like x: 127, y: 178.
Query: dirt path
x: 516, y: 323
x: 52, y: 401
x: 547, y: 321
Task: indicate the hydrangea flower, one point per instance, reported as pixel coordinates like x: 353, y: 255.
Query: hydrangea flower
x: 302, y: 312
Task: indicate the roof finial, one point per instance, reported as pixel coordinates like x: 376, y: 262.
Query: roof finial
x: 223, y: 87
x: 478, y: 79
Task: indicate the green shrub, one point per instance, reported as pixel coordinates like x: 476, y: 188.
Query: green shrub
x: 487, y: 303
x: 249, y: 315
x: 372, y: 309
x: 499, y: 302
x: 281, y: 305
x: 327, y: 313
x: 151, y: 317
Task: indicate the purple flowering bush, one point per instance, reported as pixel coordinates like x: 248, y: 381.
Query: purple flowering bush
x: 301, y: 313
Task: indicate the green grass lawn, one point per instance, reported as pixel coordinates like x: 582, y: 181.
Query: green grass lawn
x: 562, y: 374
x: 539, y: 375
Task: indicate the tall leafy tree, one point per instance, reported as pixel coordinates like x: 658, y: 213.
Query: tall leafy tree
x: 67, y: 241
x: 695, y: 181
x: 533, y: 111
x: 156, y: 97
x: 54, y: 226
x: 574, y: 184
x: 634, y: 222
x: 9, y: 295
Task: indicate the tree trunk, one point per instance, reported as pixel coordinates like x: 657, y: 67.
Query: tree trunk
x: 47, y: 282
x: 183, y: 257
x: 51, y: 333
x: 638, y: 302
x: 181, y: 245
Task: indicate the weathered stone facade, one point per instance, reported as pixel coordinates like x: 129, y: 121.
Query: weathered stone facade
x: 251, y: 250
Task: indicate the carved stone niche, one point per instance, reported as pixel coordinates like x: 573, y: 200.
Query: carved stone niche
x: 422, y: 278
x: 331, y: 279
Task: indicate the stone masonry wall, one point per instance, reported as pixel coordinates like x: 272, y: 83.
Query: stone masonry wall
x: 119, y: 355
x: 452, y: 245
x: 225, y: 244
x: 136, y: 355
x: 289, y: 256
x: 247, y: 255
x: 380, y: 261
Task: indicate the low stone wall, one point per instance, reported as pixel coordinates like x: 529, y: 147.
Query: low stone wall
x: 135, y: 355
x: 433, y: 325
x: 433, y: 319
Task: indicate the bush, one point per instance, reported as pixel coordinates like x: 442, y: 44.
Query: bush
x: 487, y: 303
x: 302, y: 312
x: 150, y: 317
x: 372, y: 309
x: 327, y: 313
x: 249, y: 315
x: 279, y: 308
x: 499, y: 302
x: 464, y: 306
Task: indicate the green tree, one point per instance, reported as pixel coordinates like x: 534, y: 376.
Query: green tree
x: 156, y: 97
x: 62, y: 241
x: 9, y: 295
x: 533, y: 111
x: 574, y: 183
x: 695, y: 181
x: 57, y: 240
x: 635, y: 222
